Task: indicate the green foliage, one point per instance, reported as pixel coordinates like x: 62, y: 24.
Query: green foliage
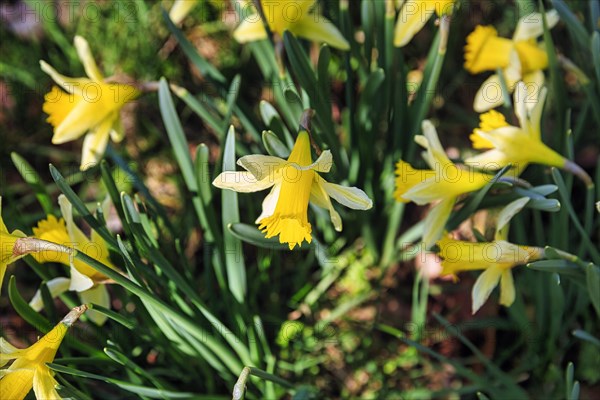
x: 204, y: 305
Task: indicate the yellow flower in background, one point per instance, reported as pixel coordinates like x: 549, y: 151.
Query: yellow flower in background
x: 295, y: 16
x: 86, y: 281
x: 295, y: 182
x: 415, y: 14
x: 86, y: 105
x: 518, y: 146
x: 497, y: 258
x: 444, y: 182
x: 519, y: 58
x: 180, y: 9
x: 16, y: 245
x: 29, y: 369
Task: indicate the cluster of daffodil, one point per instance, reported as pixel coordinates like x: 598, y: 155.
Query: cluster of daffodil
x: 92, y: 105
x: 446, y: 182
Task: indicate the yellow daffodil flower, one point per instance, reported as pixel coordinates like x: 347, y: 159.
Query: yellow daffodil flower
x: 415, y: 14
x: 295, y: 16
x: 83, y: 105
x: 444, y: 181
x: 86, y: 281
x: 519, y: 58
x: 29, y: 369
x: 295, y: 182
x: 180, y: 9
x: 518, y: 146
x: 497, y: 258
x: 16, y: 245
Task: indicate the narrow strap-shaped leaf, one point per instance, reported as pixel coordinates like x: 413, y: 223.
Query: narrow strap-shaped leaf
x: 32, y: 178
x: 253, y: 236
x: 234, y: 257
x: 188, y: 48
x: 121, y: 319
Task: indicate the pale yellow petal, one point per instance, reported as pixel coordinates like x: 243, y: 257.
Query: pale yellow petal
x: 98, y: 295
x: 79, y: 282
x: 261, y: 166
x: 242, y: 181
x: 269, y: 203
x: 117, y: 133
x: 506, y: 214
x: 71, y: 85
x: 351, y: 197
x: 94, y: 144
x: 531, y: 26
x: 435, y: 221
x: 320, y: 198
x: 250, y: 30
x: 180, y: 9
x: 412, y: 18
x: 486, y: 282
x: 319, y: 29
x: 507, y: 288
x: 436, y: 155
x: 535, y: 81
x: 87, y: 59
x: 56, y: 287
x: 489, y: 95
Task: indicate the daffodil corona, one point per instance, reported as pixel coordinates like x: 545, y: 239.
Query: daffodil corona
x: 86, y: 105
x: 295, y: 16
x: 295, y: 182
x: 444, y: 182
x: 519, y: 58
x: 29, y: 369
x: 414, y: 14
x: 16, y: 245
x: 89, y: 283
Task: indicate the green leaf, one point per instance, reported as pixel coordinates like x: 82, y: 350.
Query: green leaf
x: 31, y: 177
x: 564, y: 194
x: 234, y: 257
x: 576, y: 28
x: 139, y: 390
x: 24, y: 310
x: 250, y: 234
x: 121, y: 319
x: 583, y: 335
x: 557, y: 266
x: 81, y: 208
x: 595, y: 51
x: 232, y: 95
x: 188, y: 48
x: 274, y: 146
x: 593, y: 285
x: 474, y: 201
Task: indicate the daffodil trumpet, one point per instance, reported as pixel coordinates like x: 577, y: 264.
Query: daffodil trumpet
x: 28, y: 369
x: 15, y: 245
x: 294, y: 184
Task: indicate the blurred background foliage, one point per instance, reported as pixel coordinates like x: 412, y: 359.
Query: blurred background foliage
x: 354, y: 319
